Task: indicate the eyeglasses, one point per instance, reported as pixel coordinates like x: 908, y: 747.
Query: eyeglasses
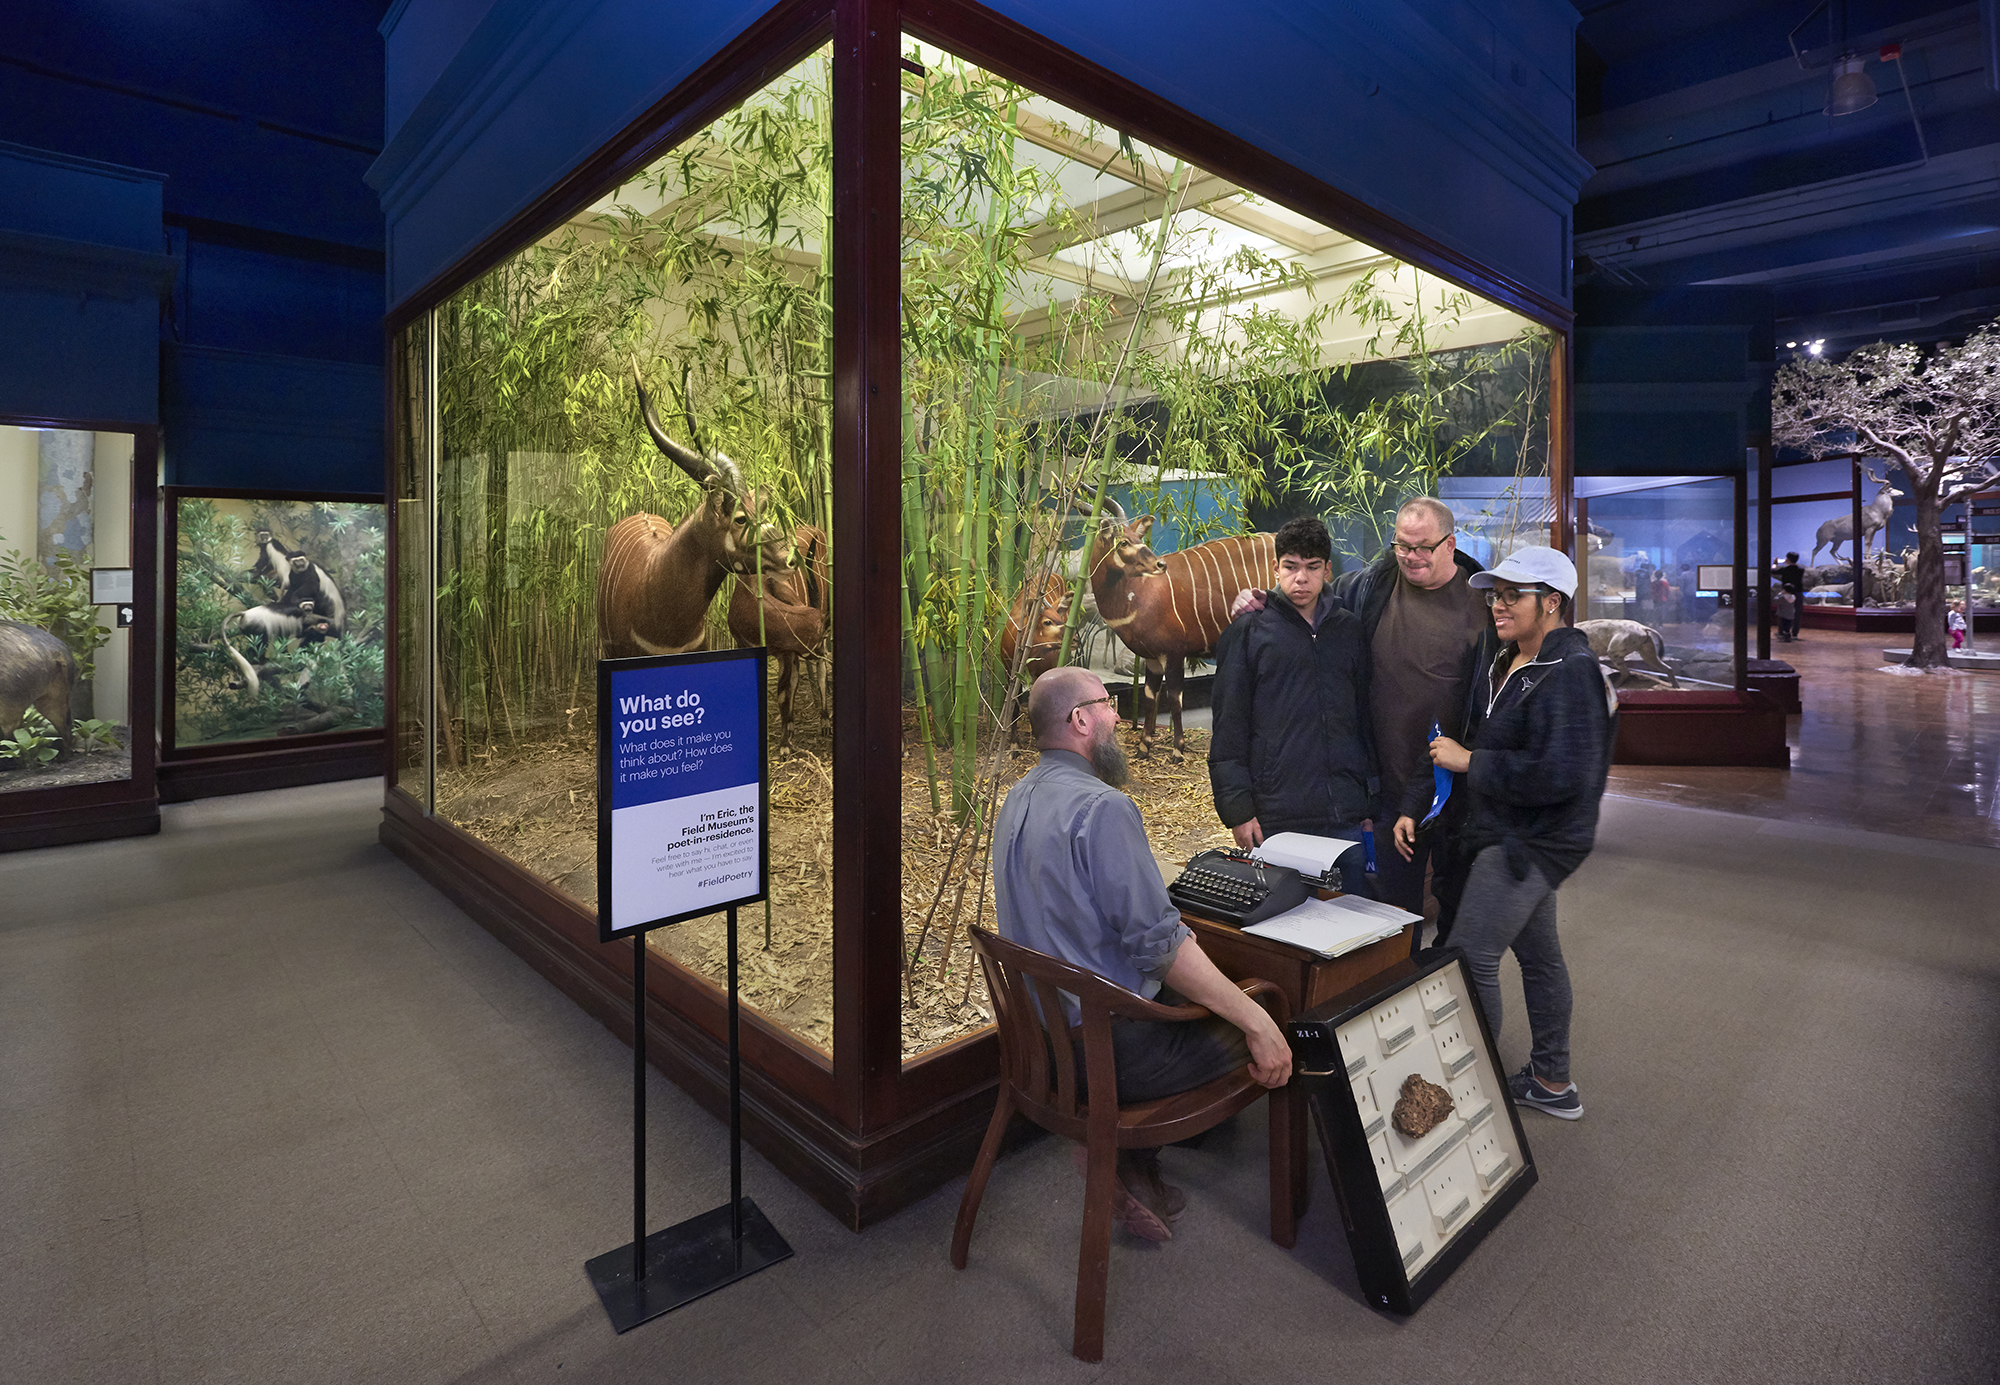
x: 1105, y: 701
x: 1496, y: 597
x: 1410, y: 550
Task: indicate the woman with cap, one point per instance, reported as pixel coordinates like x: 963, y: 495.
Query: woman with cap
x: 1534, y: 753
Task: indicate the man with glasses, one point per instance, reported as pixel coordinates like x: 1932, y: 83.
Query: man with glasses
x: 1290, y: 750
x: 1427, y: 632
x: 1074, y: 877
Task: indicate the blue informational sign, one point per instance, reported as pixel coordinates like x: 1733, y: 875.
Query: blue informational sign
x: 681, y: 805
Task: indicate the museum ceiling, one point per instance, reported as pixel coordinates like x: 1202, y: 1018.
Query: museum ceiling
x: 1718, y: 164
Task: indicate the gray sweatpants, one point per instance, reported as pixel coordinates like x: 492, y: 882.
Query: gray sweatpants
x: 1498, y: 912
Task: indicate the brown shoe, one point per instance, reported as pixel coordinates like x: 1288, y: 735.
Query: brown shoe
x: 1139, y: 1172
x: 1138, y: 1218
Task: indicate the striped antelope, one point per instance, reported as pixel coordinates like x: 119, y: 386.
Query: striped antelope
x: 793, y: 619
x: 1170, y: 607
x: 657, y: 580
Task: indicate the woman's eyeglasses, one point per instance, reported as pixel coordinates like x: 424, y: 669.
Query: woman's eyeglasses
x: 1496, y: 596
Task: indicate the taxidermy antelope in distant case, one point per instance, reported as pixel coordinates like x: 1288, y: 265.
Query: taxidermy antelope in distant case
x: 1874, y: 517
x: 1170, y: 608
x: 795, y: 602
x: 658, y: 579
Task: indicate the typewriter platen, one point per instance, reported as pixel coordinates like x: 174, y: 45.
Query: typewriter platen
x: 1232, y: 889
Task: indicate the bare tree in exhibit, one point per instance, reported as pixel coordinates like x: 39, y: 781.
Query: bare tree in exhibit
x: 1935, y: 413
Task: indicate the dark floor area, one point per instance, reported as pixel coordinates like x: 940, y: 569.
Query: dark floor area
x: 308, y: 1122
x: 1917, y: 756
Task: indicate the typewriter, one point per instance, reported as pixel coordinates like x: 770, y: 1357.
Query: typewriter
x: 1224, y: 887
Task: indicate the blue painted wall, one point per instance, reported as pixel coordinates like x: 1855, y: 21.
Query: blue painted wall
x: 256, y: 122
x: 82, y: 271
x: 1672, y: 382
x: 1455, y: 118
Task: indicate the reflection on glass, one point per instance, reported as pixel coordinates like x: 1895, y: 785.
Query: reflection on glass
x: 1658, y: 574
x: 65, y: 671
x: 414, y: 678
x: 569, y: 521
x: 277, y: 619
x: 1115, y: 359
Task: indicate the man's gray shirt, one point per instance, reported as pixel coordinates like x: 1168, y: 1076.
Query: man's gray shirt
x: 1073, y: 876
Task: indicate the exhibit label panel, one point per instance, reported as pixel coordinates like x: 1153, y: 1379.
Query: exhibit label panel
x: 681, y: 806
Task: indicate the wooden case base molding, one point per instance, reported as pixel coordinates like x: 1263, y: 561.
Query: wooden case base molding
x: 1881, y: 620
x: 1700, y: 728
x: 271, y: 767
x: 21, y: 831
x: 859, y: 1177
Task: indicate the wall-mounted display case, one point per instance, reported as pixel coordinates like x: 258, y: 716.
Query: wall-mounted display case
x: 275, y: 634
x: 837, y: 353
x: 76, y: 691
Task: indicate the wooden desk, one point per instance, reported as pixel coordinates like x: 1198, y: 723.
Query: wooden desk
x: 1307, y: 979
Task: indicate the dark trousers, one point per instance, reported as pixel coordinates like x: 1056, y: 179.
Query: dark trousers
x: 1401, y: 882
x: 1157, y: 1058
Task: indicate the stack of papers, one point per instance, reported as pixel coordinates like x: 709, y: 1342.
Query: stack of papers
x: 1303, y: 852
x: 1331, y: 927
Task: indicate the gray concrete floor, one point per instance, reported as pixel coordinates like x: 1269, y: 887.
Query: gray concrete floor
x: 275, y: 1111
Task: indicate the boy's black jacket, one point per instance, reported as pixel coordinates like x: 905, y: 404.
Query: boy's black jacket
x: 1292, y: 744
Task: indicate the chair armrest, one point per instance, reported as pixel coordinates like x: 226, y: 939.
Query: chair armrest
x: 1132, y: 1005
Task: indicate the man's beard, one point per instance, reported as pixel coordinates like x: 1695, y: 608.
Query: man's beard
x: 1107, y: 758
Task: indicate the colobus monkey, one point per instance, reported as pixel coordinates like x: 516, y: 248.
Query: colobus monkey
x: 274, y: 561
x: 299, y: 578
x: 276, y: 624
x: 311, y: 582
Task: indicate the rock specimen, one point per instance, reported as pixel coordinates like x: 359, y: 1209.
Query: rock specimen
x: 1420, y: 1107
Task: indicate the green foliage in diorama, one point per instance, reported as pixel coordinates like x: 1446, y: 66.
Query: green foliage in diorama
x: 90, y: 735
x: 304, y: 688
x: 57, y: 601
x: 722, y: 301
x: 34, y: 743
x: 1445, y: 409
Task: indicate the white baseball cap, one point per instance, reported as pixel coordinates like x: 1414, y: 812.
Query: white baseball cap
x: 1534, y: 564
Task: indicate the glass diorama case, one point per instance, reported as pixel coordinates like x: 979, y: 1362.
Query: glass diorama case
x: 1065, y: 355
x: 76, y: 707
x: 275, y: 627
x: 1657, y: 563
x: 1817, y: 508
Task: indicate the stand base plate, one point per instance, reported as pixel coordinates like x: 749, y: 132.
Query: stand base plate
x: 684, y: 1262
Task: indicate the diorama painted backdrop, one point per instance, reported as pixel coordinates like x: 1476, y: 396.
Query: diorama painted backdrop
x: 251, y: 660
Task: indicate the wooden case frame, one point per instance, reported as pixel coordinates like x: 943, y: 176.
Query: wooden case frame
x: 863, y: 1131
x: 126, y: 807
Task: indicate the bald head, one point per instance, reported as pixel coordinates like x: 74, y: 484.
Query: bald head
x: 1052, y: 698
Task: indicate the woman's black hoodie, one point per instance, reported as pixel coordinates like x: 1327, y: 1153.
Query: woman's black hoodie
x: 1541, y: 748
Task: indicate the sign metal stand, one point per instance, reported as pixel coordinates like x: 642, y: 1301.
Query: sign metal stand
x: 658, y: 1273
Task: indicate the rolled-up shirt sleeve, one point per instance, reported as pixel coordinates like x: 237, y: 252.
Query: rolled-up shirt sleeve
x: 1115, y: 857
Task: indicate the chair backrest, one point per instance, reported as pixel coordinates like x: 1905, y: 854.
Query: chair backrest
x: 1037, y: 1047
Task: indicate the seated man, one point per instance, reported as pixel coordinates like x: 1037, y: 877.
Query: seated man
x: 1074, y: 877
x: 1292, y: 748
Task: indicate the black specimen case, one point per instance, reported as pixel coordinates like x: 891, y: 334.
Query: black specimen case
x: 1413, y: 1207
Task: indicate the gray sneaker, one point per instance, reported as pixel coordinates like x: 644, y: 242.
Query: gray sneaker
x: 1566, y: 1104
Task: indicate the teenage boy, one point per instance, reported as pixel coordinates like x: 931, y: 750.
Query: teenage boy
x: 1292, y: 749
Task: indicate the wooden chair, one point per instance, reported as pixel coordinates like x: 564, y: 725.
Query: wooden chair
x: 1046, y: 1092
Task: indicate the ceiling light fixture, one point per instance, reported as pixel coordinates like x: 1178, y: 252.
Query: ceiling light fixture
x: 1853, y: 89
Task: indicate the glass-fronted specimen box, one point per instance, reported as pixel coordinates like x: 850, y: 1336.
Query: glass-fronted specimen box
x: 76, y: 704
x: 749, y: 388
x: 1421, y: 1138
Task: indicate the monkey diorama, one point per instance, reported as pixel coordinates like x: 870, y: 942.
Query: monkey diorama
x: 306, y: 607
